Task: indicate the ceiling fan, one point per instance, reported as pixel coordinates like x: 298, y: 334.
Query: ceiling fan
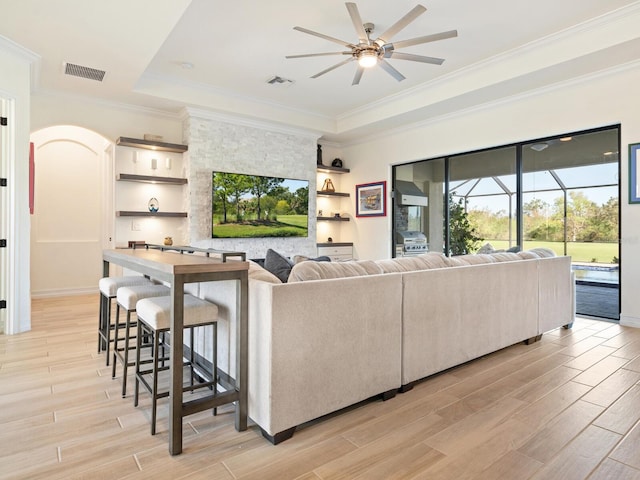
x: 370, y: 52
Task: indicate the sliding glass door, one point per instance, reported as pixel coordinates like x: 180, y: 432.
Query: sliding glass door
x: 560, y: 193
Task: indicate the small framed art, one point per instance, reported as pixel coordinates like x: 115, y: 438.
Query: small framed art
x: 371, y: 199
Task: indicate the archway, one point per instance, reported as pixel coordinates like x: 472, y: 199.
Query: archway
x: 70, y: 223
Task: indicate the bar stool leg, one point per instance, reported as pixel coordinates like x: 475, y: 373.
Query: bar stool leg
x: 116, y: 333
x: 125, y: 364
x: 107, y: 330
x: 101, y: 315
x: 154, y: 398
x: 138, y: 348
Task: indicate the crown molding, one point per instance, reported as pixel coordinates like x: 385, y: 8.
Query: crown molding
x: 18, y: 50
x: 128, y: 107
x: 363, y: 139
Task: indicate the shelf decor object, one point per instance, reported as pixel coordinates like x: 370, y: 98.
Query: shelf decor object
x: 371, y: 199
x: 153, y: 205
x: 327, y: 186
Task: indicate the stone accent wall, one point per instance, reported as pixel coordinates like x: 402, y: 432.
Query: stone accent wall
x: 217, y: 145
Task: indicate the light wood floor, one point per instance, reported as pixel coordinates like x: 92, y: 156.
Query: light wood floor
x: 567, y: 407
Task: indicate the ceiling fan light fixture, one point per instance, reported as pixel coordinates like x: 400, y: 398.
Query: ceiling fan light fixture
x: 367, y: 58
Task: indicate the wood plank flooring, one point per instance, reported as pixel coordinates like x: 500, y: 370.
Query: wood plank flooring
x: 567, y: 407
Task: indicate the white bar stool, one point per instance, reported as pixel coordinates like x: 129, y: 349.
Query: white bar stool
x: 108, y: 289
x: 127, y: 298
x: 154, y: 319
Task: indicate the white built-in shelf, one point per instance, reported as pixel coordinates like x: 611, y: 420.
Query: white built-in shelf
x: 128, y: 213
x: 129, y: 177
x: 332, y: 194
x: 330, y: 169
x: 151, y: 145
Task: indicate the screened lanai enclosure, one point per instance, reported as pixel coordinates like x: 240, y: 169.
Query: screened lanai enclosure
x: 560, y: 193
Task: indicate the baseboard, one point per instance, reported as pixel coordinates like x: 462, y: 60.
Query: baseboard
x: 628, y: 321
x: 64, y: 292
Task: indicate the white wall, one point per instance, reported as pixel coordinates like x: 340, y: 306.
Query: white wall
x: 604, y: 99
x: 15, y: 65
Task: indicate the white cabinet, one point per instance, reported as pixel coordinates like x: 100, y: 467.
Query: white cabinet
x: 146, y: 170
x: 336, y: 251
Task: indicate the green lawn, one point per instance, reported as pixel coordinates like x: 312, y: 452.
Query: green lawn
x: 591, y: 252
x: 285, y: 226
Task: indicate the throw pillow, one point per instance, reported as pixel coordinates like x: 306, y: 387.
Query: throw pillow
x: 515, y: 249
x: 277, y: 264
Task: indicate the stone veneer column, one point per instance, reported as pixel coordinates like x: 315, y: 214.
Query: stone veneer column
x: 220, y: 144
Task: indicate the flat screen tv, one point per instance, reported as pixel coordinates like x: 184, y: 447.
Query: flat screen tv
x: 246, y: 206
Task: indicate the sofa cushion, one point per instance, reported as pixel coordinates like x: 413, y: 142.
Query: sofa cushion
x: 277, y: 264
x: 411, y: 264
x: 543, y: 252
x: 257, y: 272
x: 304, y: 271
x: 470, y: 259
x: 303, y: 258
x: 505, y: 256
x: 527, y: 255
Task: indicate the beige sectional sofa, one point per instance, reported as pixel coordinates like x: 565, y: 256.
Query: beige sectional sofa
x: 341, y: 332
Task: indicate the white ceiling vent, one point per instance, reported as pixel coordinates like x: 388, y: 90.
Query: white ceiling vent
x: 83, y: 72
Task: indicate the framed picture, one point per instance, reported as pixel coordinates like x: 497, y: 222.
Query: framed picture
x: 634, y: 181
x: 371, y: 199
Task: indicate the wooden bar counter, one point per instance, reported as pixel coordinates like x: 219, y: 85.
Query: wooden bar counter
x: 178, y: 269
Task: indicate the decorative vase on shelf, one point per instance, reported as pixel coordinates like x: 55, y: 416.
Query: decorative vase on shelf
x: 153, y: 205
x: 319, y: 154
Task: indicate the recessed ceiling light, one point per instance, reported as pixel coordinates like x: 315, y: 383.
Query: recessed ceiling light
x: 566, y: 139
x: 187, y: 65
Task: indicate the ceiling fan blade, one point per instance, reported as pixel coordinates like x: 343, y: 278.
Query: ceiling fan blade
x: 400, y: 24
x: 357, y: 22
x: 386, y: 66
x: 358, y: 75
x: 326, y: 37
x: 426, y: 39
x: 333, y: 67
x: 416, y: 58
x: 318, y: 54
